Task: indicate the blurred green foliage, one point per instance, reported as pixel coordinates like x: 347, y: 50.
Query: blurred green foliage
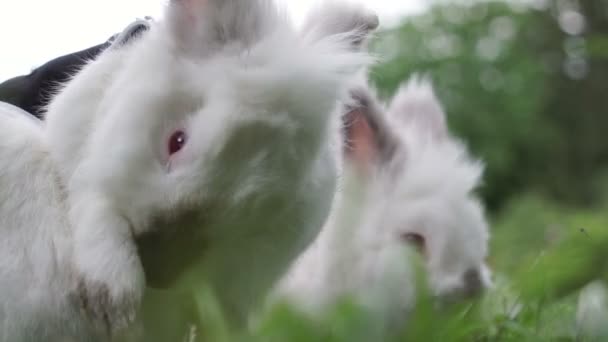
x: 525, y: 87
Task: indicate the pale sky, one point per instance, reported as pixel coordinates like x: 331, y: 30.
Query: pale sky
x: 35, y: 31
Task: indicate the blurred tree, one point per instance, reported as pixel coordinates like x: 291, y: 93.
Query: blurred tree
x: 525, y: 86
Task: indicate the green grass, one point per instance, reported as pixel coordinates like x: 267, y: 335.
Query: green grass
x: 542, y: 254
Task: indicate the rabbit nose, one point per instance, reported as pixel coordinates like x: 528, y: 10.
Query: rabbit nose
x: 473, y: 283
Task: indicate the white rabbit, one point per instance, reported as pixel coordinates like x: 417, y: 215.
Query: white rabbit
x: 406, y: 181
x: 214, y: 131
x: 436, y: 190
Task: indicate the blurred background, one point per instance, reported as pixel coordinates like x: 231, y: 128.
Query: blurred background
x: 35, y: 31
x: 525, y: 85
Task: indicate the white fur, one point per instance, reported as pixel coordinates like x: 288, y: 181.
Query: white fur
x: 426, y: 187
x: 35, y: 246
x: 254, y: 181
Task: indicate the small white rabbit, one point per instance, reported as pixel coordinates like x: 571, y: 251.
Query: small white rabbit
x: 437, y: 191
x: 406, y: 181
x: 215, y: 131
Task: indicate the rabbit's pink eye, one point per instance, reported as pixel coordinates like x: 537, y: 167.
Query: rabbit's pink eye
x: 177, y: 141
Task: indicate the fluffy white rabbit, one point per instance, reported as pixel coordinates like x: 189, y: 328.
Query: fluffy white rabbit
x: 216, y: 131
x: 406, y: 181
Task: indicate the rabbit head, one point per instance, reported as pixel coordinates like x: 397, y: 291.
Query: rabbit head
x: 184, y: 99
x: 422, y: 183
x: 212, y: 134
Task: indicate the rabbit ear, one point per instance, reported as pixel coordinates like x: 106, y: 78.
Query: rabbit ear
x: 206, y: 25
x: 416, y: 105
x: 369, y: 140
x: 351, y: 20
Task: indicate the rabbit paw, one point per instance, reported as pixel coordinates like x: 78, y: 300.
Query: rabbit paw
x: 111, y: 303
